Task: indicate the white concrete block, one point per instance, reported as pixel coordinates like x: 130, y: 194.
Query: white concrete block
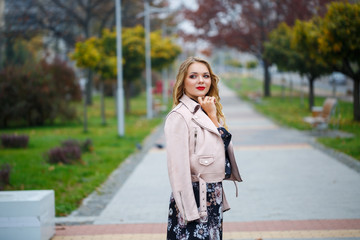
x: 27, y: 215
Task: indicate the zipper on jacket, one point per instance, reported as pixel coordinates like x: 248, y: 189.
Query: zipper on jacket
x: 195, y: 139
x: 183, y: 208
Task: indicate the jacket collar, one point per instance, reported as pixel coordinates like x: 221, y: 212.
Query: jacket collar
x: 192, y: 105
x: 198, y: 116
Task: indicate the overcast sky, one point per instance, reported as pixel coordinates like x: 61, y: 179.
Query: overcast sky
x: 188, y: 3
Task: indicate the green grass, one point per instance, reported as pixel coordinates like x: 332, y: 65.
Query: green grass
x: 290, y: 110
x: 72, y: 183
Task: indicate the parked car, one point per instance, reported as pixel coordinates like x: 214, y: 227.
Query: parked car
x: 337, y: 78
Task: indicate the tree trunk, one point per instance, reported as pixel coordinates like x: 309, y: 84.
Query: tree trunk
x: 89, y: 86
x: 114, y: 89
x: 85, y: 113
x: 356, y: 96
x: 127, y: 97
x: 267, y: 80
x: 102, y: 104
x: 311, y: 92
x: 9, y: 52
x: 2, y: 53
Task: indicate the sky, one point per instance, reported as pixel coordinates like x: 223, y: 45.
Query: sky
x: 185, y: 25
x: 188, y: 3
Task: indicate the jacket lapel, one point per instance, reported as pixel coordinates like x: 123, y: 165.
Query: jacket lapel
x: 204, y: 121
x: 199, y: 116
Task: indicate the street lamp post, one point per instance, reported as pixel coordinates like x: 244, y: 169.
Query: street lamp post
x: 120, y: 89
x: 148, y: 61
x: 146, y: 14
x: 164, y: 74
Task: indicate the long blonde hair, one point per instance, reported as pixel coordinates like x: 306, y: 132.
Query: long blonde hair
x: 179, y: 85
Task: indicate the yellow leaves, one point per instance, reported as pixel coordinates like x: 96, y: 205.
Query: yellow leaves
x: 337, y: 47
x: 340, y: 30
x: 320, y: 43
x: 87, y: 53
x: 100, y: 54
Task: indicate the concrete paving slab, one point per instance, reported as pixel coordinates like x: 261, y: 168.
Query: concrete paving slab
x: 144, y: 196
x: 293, y: 183
x: 285, y: 177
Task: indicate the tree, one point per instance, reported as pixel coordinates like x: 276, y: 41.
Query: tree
x: 19, y: 24
x: 339, y: 44
x: 91, y: 17
x: 37, y: 93
x: 99, y: 55
x: 246, y: 24
x: 292, y: 49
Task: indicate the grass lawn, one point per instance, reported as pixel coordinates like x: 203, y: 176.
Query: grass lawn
x: 74, y: 182
x: 289, y: 111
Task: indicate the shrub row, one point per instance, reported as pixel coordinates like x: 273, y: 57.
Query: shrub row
x: 85, y: 146
x: 65, y: 155
x: 14, y: 141
x: 69, y: 152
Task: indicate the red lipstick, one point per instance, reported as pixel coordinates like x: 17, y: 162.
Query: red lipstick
x: 200, y: 88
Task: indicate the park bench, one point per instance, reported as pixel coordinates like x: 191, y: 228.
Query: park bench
x: 321, y: 115
x: 255, y: 96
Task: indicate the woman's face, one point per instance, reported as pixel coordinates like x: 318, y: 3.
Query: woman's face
x: 197, y: 80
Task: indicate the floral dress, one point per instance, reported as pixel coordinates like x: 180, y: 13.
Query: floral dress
x: 204, y: 229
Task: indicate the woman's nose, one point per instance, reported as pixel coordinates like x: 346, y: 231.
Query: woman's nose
x: 201, y: 79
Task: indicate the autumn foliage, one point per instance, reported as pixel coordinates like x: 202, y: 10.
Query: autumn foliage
x: 99, y: 54
x: 37, y: 93
x: 245, y: 25
x: 321, y: 45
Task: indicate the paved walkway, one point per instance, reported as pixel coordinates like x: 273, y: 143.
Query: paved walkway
x: 291, y: 189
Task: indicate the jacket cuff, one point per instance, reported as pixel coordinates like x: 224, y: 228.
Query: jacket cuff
x: 193, y: 217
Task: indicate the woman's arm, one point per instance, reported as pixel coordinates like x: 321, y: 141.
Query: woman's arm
x: 177, y: 146
x: 208, y: 105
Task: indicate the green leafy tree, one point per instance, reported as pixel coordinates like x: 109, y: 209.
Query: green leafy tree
x: 304, y: 42
x: 100, y: 55
x: 339, y: 44
x: 163, y: 53
x: 234, y: 63
x: 251, y: 64
x: 278, y: 49
x: 163, y: 50
x: 295, y: 49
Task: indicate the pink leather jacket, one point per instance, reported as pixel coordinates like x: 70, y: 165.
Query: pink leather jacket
x: 195, y: 153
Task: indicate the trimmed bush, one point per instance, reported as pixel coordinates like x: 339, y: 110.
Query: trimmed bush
x: 85, y: 146
x: 14, y: 141
x: 251, y: 64
x: 5, y: 170
x: 70, y: 143
x: 64, y: 155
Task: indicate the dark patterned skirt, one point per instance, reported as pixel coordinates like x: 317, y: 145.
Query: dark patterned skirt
x: 198, y: 229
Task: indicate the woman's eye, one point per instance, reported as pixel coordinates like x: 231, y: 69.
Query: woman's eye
x: 192, y: 76
x: 206, y: 76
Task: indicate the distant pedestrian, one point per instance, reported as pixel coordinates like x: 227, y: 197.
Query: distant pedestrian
x: 200, y: 154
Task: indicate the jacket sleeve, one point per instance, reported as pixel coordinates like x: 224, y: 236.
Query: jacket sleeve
x: 177, y: 146
x: 235, y: 175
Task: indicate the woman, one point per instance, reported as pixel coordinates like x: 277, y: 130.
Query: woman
x: 200, y: 154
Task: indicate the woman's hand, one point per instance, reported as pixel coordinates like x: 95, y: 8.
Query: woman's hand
x: 208, y: 105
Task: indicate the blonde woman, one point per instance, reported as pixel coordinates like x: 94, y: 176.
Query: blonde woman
x: 200, y: 154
